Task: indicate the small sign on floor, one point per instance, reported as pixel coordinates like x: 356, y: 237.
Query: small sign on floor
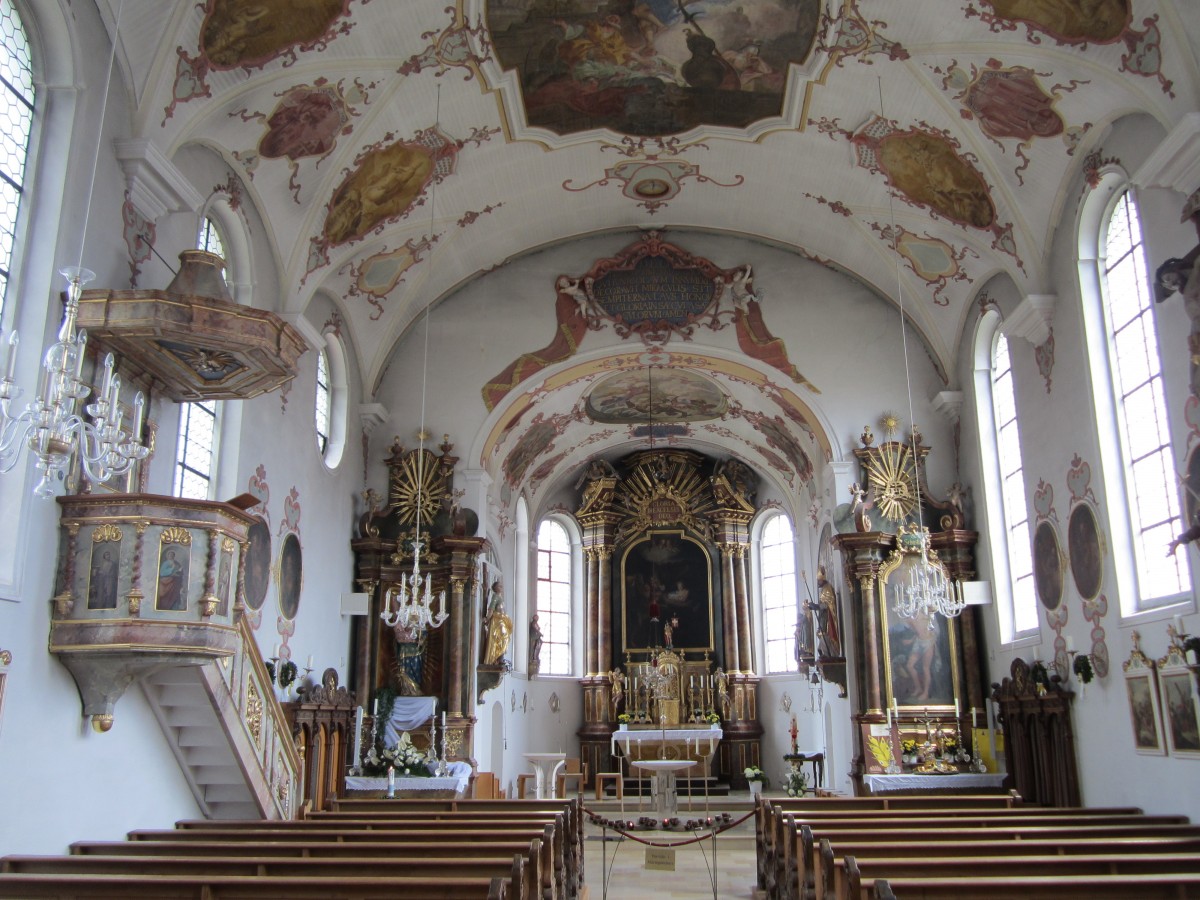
x: 661, y: 858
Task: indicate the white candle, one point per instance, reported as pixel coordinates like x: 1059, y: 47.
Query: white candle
x: 974, y: 711
x: 443, y: 720
x: 375, y: 710
x: 391, y: 779
x: 13, y: 340
x: 358, y: 717
x: 956, y: 707
x: 275, y: 652
x: 889, y: 717
x: 1070, y: 644
x: 1179, y: 624
x: 310, y: 660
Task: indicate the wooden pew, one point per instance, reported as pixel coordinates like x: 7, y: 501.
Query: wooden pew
x: 798, y: 860
x: 769, y: 814
x: 563, y: 868
x: 832, y: 871
x: 552, y: 885
x: 522, y: 869
x: 856, y: 877
x: 1042, y: 887
x: 566, y: 844
x: 235, y: 887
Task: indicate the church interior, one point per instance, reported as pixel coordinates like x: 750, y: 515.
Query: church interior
x: 766, y: 380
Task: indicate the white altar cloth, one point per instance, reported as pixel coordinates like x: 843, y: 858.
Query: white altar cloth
x: 964, y: 781
x: 408, y: 713
x: 457, y: 780
x: 653, y: 737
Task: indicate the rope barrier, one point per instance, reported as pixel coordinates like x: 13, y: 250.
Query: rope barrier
x: 696, y: 838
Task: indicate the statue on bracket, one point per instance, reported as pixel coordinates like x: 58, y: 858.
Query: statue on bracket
x: 535, y: 646
x: 498, y: 627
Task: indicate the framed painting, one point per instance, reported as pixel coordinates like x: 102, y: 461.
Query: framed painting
x: 1181, y: 705
x: 1047, y: 565
x: 174, y: 568
x: 1085, y: 549
x: 291, y: 576
x: 666, y: 591
x: 920, y: 653
x: 105, y: 567
x: 258, y: 564
x: 1145, y: 716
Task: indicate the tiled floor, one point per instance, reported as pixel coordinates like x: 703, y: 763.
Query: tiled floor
x: 629, y: 879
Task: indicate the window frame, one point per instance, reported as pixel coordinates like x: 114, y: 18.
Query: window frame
x: 998, y: 533
x: 183, y: 462
x: 1096, y: 214
x: 324, y: 401
x: 545, y: 620
x: 766, y: 593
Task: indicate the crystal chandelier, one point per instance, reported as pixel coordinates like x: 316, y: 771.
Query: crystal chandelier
x: 414, y: 601
x: 927, y: 591
x: 50, y: 425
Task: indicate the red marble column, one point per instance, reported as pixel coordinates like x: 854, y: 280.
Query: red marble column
x: 729, y: 609
x: 604, y: 628
x: 593, y: 609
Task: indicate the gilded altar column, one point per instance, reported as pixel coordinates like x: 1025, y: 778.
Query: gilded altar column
x: 729, y: 618
x: 591, y: 560
x: 604, y: 626
x: 745, y: 645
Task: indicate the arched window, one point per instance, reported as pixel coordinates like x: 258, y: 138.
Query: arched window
x: 322, y: 411
x: 777, y: 562
x: 195, y: 451
x: 16, y: 107
x: 1015, y: 535
x: 210, y: 238
x: 1141, y: 495
x: 554, y: 597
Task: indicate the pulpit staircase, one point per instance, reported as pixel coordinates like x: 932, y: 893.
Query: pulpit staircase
x: 229, y: 734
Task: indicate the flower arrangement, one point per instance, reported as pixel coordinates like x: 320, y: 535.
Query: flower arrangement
x: 908, y: 746
x: 713, y: 719
x: 754, y: 773
x: 1082, y: 667
x: 287, y: 673
x: 624, y: 718
x: 1192, y: 644
x: 796, y: 782
x: 408, y: 761
x: 949, y: 747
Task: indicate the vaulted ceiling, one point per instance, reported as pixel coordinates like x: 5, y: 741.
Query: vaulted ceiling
x: 371, y: 134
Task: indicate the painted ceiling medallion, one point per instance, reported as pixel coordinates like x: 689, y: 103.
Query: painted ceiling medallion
x: 654, y: 67
x: 674, y: 395
x: 652, y: 182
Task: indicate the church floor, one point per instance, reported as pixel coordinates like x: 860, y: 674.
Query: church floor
x: 628, y: 877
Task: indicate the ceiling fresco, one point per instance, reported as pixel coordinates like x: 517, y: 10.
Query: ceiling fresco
x: 656, y: 395
x: 392, y: 155
x: 652, y: 67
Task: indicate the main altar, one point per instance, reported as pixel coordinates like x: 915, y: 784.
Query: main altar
x: 669, y: 649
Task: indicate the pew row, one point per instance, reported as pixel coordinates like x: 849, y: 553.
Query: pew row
x: 1042, y: 887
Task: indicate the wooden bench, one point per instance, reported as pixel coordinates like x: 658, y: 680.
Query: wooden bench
x: 832, y: 871
x: 521, y: 870
x: 1042, y: 887
x: 235, y: 887
x: 564, y: 869
x: 798, y: 859
x: 855, y: 877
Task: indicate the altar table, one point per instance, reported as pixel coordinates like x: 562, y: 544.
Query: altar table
x: 453, y: 785
x: 666, y: 795
x: 966, y: 782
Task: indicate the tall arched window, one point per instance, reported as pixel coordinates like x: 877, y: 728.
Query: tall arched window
x: 16, y: 112
x: 554, y: 597
x: 1140, y: 406
x: 777, y: 557
x: 1017, y: 538
x: 195, y: 450
x: 323, y: 404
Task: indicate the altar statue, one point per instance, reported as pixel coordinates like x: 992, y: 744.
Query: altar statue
x: 722, y: 681
x: 535, y: 646
x: 618, y: 689
x: 498, y: 627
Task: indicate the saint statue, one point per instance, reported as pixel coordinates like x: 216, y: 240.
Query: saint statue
x: 618, y: 689
x: 827, y: 617
x: 535, y: 646
x: 498, y: 626
x: 722, y: 682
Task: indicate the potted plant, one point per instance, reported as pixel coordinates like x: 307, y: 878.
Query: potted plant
x: 757, y: 779
x: 623, y: 721
x: 908, y: 751
x: 712, y: 719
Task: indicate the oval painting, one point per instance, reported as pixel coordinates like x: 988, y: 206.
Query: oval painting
x: 1086, y: 552
x: 1047, y: 566
x: 291, y: 576
x: 258, y: 564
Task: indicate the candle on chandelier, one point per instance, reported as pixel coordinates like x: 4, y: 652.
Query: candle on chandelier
x: 310, y: 660
x: 13, y: 340
x: 1070, y: 644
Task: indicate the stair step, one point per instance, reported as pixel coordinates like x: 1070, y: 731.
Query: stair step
x: 214, y: 755
x: 226, y: 793
x: 189, y: 717
x: 188, y: 695
x: 214, y: 775
x: 199, y: 736
x: 235, y: 811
